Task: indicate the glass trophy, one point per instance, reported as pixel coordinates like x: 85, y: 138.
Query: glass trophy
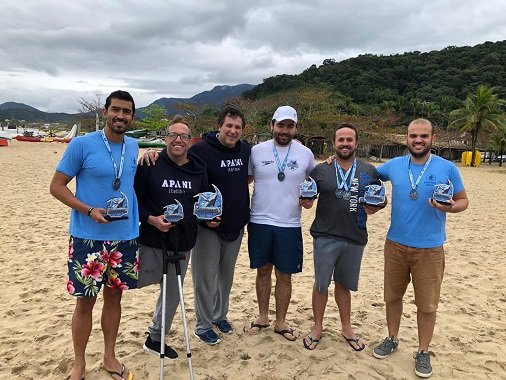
x: 209, y: 205
x: 173, y: 212
x: 375, y: 194
x: 308, y: 189
x: 117, y: 208
x: 443, y: 193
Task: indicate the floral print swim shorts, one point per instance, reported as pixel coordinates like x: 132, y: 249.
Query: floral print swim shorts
x: 92, y: 263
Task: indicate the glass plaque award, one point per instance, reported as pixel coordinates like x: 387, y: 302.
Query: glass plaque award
x: 117, y: 208
x: 374, y: 195
x: 209, y: 205
x: 173, y: 212
x: 443, y: 193
x: 308, y: 189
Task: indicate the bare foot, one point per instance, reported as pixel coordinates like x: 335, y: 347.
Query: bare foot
x: 78, y: 371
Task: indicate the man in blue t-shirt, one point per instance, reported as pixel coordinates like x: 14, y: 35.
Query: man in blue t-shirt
x: 104, y: 226
x: 414, y: 243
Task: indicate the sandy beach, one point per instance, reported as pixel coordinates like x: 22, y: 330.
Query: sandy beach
x: 36, y: 311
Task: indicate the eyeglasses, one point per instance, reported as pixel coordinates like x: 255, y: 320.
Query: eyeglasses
x: 182, y: 136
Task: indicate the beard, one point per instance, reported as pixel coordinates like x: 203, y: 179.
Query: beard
x: 118, y: 129
x: 419, y: 154
x: 283, y: 142
x: 345, y: 156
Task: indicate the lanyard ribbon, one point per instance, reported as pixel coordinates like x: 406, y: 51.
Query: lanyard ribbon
x: 414, y: 185
x: 117, y: 173
x: 281, y: 167
x: 343, y: 185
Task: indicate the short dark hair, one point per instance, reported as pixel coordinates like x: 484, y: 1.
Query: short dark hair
x: 122, y: 95
x: 346, y: 125
x: 230, y: 112
x: 179, y: 119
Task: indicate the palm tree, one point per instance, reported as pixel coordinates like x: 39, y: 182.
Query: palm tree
x: 415, y: 105
x: 444, y: 104
x: 498, y: 142
x: 430, y: 108
x: 481, y: 111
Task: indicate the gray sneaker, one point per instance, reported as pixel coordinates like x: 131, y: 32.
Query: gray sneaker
x: 385, y: 348
x: 422, y: 364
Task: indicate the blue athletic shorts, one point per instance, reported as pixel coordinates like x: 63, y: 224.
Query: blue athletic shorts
x: 92, y: 263
x: 337, y: 257
x: 280, y: 246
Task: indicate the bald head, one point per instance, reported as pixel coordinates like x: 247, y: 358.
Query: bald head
x: 422, y: 121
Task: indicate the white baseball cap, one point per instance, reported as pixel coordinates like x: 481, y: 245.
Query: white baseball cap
x: 285, y: 113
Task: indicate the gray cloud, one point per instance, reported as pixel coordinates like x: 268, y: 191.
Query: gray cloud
x: 54, y: 52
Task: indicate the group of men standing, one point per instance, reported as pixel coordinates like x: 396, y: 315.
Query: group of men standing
x: 106, y: 252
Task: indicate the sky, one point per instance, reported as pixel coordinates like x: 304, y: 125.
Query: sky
x: 54, y: 52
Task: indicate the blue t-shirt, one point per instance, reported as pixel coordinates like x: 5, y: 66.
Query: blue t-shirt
x: 88, y: 160
x: 414, y: 223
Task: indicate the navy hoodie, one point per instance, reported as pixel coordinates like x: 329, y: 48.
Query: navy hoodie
x: 227, y: 169
x: 157, y: 186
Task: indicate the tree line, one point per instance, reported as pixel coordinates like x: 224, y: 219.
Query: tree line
x: 460, y: 89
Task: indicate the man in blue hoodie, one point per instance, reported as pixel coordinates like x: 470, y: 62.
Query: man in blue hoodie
x: 179, y: 175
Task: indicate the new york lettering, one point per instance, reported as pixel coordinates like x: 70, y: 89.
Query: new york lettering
x: 354, y: 198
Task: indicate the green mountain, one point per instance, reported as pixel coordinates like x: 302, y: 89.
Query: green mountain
x: 214, y: 97
x: 20, y: 111
x: 412, y: 83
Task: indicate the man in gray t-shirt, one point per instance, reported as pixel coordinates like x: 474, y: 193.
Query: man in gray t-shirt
x: 339, y: 231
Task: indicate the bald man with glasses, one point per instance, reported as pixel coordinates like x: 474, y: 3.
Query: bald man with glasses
x: 178, y: 175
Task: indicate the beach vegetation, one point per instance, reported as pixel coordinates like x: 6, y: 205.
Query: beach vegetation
x: 498, y: 145
x: 155, y: 118
x: 481, y: 111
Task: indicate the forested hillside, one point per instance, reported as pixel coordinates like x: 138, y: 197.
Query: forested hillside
x: 413, y: 84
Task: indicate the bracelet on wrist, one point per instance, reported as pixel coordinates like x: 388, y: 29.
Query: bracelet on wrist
x: 90, y: 210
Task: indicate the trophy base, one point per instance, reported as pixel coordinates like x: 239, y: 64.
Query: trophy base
x: 304, y: 198
x: 215, y: 219
x: 442, y: 202
x: 114, y: 218
x: 361, y: 200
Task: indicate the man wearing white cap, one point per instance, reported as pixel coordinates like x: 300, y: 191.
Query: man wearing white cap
x: 277, y: 166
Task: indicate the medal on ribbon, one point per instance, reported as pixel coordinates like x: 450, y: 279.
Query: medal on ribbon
x: 343, y: 188
x: 116, y: 183
x: 281, y: 166
x: 413, y: 194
